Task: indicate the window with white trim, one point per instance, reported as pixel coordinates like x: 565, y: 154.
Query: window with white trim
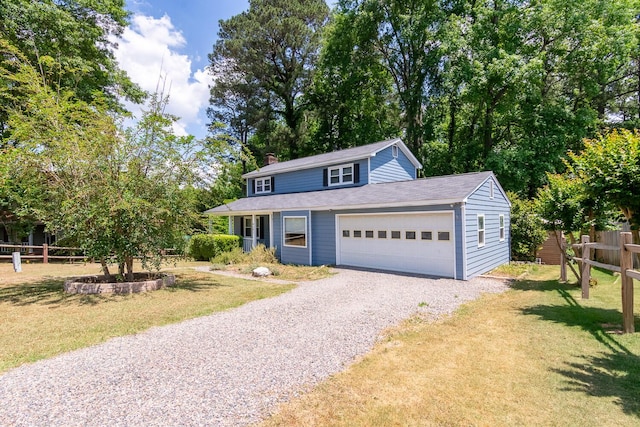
x: 263, y: 185
x: 502, y: 227
x: 248, y: 227
x: 480, y: 230
x: 491, y: 191
x: 394, y: 151
x: 342, y: 174
x: 295, y: 231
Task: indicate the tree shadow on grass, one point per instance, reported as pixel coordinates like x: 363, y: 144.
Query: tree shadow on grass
x: 615, y: 373
x: 50, y: 292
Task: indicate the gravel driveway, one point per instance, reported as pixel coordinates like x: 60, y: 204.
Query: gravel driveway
x: 229, y: 368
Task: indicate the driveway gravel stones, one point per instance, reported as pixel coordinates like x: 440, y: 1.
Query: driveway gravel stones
x: 230, y: 368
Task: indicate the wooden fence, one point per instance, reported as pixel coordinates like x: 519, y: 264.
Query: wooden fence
x: 44, y: 252
x: 612, y: 238
x: 625, y: 250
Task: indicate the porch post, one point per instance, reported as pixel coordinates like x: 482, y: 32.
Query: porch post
x: 254, y: 231
x: 230, y: 225
x: 271, y: 230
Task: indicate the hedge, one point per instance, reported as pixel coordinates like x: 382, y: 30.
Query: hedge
x: 203, y: 247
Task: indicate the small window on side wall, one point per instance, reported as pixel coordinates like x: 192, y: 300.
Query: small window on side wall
x: 394, y: 151
x: 502, y: 227
x: 480, y: 230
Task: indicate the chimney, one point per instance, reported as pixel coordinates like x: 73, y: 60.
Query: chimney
x: 270, y: 159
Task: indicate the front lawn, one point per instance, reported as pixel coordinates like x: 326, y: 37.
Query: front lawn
x: 535, y: 355
x: 39, y: 320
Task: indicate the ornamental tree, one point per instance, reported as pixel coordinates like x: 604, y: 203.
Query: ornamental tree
x: 565, y: 206
x: 116, y: 192
x: 609, y: 166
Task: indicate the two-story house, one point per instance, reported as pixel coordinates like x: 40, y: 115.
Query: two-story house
x: 365, y: 207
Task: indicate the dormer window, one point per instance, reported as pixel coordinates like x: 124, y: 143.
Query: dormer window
x: 263, y: 185
x: 342, y: 174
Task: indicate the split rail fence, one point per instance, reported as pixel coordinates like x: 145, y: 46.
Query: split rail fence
x: 44, y: 252
x: 626, y: 249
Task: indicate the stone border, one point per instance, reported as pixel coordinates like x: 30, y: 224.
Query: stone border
x: 77, y: 286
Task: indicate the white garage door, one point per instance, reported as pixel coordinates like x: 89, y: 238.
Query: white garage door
x: 413, y: 243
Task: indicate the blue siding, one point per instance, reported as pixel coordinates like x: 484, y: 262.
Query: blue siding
x: 494, y: 253
x: 323, y: 228
x: 386, y: 168
x: 307, y: 180
x: 296, y: 255
x: 277, y: 233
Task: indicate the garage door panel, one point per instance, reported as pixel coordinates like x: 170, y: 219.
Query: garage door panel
x: 416, y: 255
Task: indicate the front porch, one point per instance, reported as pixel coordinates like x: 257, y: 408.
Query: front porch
x: 254, y: 229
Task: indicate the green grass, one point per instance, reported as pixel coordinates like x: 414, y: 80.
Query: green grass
x: 39, y: 320
x: 535, y: 355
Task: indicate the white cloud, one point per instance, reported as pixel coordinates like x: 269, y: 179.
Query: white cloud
x: 148, y: 52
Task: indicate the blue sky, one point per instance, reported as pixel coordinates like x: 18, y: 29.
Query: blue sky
x: 168, y: 41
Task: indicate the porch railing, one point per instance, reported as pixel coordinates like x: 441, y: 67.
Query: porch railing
x: 247, y: 244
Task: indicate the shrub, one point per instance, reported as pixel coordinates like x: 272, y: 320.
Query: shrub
x: 235, y: 256
x: 527, y: 229
x: 258, y: 256
x: 262, y: 255
x: 204, y: 247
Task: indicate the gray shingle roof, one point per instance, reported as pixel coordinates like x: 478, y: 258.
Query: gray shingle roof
x: 426, y: 191
x: 346, y: 155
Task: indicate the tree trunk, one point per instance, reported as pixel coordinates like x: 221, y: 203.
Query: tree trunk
x: 105, y: 269
x: 129, y: 262
x: 452, y: 124
x: 487, y: 138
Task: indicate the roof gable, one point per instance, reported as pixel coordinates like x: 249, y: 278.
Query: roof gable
x: 340, y: 156
x: 498, y: 187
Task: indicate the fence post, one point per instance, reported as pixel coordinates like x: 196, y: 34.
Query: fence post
x: 626, y: 263
x: 586, y: 267
x: 45, y: 253
x: 563, y: 259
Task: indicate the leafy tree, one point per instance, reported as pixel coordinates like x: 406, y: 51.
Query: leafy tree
x: 526, y: 81
x: 117, y: 193
x: 408, y: 37
x: 609, y: 166
x: 352, y: 94
x: 70, y: 42
x: 267, y: 55
x: 566, y: 207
